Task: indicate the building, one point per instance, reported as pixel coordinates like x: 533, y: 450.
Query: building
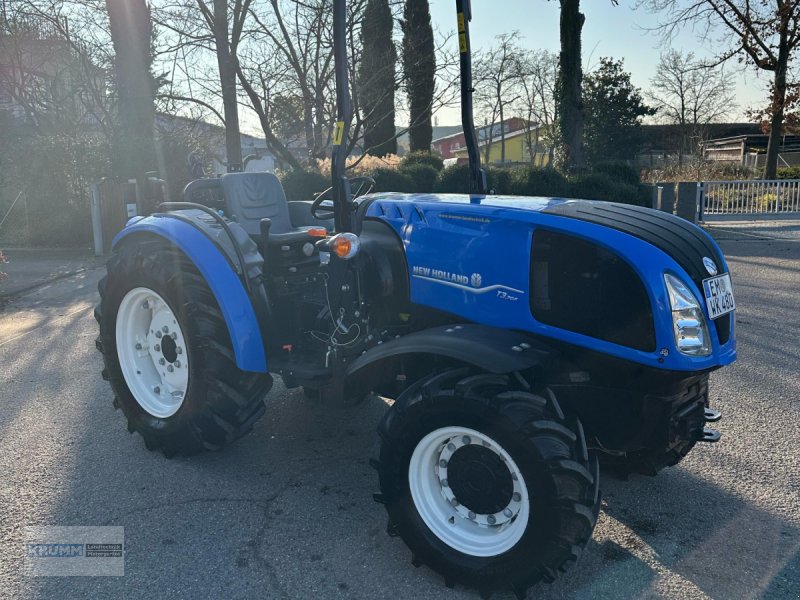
x: 518, y: 149
x: 256, y: 154
x: 750, y: 150
x: 447, y: 146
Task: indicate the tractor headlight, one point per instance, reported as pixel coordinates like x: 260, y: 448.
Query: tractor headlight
x: 688, y: 321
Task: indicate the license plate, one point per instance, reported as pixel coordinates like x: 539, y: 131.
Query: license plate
x: 719, y: 295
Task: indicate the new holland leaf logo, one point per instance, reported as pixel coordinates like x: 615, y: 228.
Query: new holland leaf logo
x: 476, y: 280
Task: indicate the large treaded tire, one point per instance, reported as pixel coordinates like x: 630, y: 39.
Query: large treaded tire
x: 549, y: 450
x: 222, y: 402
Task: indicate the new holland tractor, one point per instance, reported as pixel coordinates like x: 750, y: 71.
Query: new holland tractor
x: 522, y: 340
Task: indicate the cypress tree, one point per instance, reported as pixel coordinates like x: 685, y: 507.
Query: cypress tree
x: 419, y: 69
x: 377, y: 79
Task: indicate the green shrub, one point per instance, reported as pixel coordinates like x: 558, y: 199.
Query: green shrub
x: 596, y: 186
x: 453, y: 180
x: 304, y: 185
x: 423, y: 176
x: 422, y: 158
x: 390, y: 180
x: 499, y: 180
x: 618, y: 171
x: 538, y: 182
x: 789, y: 173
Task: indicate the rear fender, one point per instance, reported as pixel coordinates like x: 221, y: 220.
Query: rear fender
x: 222, y: 278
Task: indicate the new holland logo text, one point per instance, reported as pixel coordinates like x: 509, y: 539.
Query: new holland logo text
x: 468, y: 283
x: 441, y: 275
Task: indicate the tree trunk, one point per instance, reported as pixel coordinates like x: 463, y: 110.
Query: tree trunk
x: 226, y: 63
x: 778, y: 105
x: 131, y: 33
x: 502, y: 136
x: 376, y: 79
x: 569, y: 86
x: 419, y: 67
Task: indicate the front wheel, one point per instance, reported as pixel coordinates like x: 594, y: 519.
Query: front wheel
x: 168, y: 354
x: 487, y: 482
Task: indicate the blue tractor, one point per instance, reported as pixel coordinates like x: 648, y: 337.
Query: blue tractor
x: 523, y: 340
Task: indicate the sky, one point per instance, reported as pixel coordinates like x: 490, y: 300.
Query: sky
x: 613, y: 31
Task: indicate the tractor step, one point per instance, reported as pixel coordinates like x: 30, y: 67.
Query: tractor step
x: 712, y: 416
x: 709, y: 435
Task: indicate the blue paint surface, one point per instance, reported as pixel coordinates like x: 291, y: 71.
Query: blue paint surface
x: 470, y: 256
x: 225, y: 284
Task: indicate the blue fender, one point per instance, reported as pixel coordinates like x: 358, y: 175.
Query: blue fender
x: 237, y: 309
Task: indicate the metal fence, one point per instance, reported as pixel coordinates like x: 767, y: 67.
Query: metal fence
x: 749, y: 197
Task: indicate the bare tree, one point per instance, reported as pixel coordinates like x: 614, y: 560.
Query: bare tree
x: 58, y: 79
x: 687, y: 93
x: 538, y: 76
x: 497, y: 87
x: 764, y: 33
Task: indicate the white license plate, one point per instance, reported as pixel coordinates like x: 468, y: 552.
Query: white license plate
x: 719, y: 295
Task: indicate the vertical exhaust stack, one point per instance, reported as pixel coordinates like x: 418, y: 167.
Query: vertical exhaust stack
x: 477, y: 176
x: 342, y: 195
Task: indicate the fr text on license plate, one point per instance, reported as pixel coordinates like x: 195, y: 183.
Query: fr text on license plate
x: 719, y: 295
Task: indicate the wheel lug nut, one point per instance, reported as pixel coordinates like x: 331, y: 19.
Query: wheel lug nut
x: 145, y: 305
x: 443, y: 464
x: 467, y: 440
x: 445, y: 483
x: 165, y: 329
x: 158, y: 334
x: 157, y: 348
x: 161, y: 361
x: 138, y: 346
x: 179, y: 350
x: 454, y: 502
x: 451, y: 446
x: 471, y: 515
x: 177, y: 364
x: 516, y: 497
x: 170, y: 368
x: 507, y: 512
x: 157, y: 390
x: 174, y: 335
x: 491, y: 520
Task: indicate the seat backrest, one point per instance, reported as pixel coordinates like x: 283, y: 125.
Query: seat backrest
x: 251, y: 197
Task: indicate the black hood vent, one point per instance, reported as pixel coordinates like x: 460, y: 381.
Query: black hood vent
x: 686, y: 243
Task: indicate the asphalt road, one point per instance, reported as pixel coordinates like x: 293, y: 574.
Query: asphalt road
x: 287, y: 512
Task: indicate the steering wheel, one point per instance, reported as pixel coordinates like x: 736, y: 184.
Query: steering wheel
x: 322, y: 207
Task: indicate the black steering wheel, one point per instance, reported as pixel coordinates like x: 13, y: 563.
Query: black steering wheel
x: 322, y: 207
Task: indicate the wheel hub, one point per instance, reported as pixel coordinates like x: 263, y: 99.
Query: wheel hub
x: 480, y: 479
x: 477, y: 482
x: 469, y: 491
x: 152, y: 352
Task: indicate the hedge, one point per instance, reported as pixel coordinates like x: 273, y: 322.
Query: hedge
x: 423, y: 176
x: 422, y: 158
x: 304, y: 185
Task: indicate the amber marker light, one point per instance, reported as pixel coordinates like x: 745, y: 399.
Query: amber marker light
x: 319, y: 232
x: 345, y: 245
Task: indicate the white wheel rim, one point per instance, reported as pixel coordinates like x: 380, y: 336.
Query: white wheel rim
x: 453, y: 523
x: 152, y: 352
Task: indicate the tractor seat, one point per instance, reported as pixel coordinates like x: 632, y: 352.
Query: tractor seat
x: 251, y: 197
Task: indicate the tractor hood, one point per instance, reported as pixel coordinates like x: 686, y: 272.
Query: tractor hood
x: 579, y: 265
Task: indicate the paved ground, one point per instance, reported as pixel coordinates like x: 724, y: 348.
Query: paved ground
x: 29, y: 268
x: 287, y: 511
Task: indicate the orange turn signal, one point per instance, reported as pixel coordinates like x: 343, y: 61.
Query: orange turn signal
x: 319, y: 232
x: 342, y: 246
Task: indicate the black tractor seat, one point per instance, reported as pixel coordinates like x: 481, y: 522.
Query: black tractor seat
x: 247, y: 198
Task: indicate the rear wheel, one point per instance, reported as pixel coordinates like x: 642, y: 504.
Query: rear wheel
x: 168, y: 354
x: 487, y: 482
